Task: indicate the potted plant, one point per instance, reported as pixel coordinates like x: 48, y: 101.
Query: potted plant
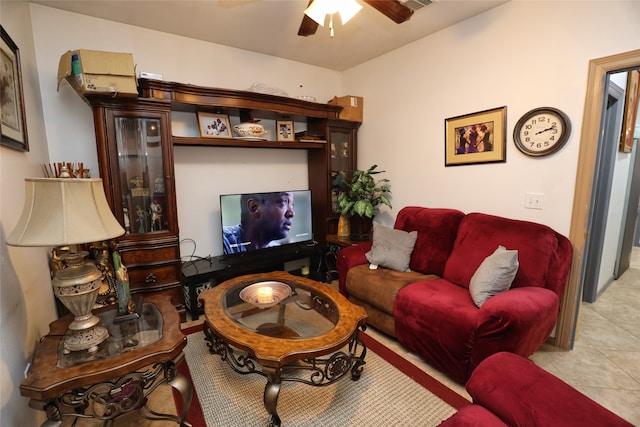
x: 361, y: 199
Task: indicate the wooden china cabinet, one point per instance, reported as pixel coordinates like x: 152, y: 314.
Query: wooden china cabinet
x: 135, y: 158
x: 327, y: 162
x: 135, y: 155
x: 335, y: 167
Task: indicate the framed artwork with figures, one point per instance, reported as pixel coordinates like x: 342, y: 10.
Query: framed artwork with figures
x: 476, y: 138
x: 14, y: 122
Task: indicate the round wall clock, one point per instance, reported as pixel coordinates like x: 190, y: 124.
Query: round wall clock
x: 542, y: 131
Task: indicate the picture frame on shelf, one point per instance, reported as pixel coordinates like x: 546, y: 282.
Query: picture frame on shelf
x: 13, y: 124
x: 285, y: 130
x: 630, y: 111
x: 476, y: 138
x: 213, y: 125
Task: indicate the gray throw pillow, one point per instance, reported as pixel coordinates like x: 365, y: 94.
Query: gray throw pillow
x: 494, y: 275
x: 391, y: 248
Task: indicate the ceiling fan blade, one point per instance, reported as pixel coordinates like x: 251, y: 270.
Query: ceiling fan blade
x: 308, y: 26
x: 393, y: 9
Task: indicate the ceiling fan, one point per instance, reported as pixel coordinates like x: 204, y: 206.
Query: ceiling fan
x: 395, y: 10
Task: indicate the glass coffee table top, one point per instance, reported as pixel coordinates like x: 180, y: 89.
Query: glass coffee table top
x: 302, y: 313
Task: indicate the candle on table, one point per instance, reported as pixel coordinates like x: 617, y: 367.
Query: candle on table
x: 265, y: 295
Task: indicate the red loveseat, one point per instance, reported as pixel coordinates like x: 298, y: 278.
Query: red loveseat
x: 508, y: 390
x: 429, y: 309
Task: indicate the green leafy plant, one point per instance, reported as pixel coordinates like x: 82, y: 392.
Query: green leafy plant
x: 365, y: 194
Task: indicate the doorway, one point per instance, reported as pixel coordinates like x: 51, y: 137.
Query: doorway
x: 614, y: 205
x: 580, y: 219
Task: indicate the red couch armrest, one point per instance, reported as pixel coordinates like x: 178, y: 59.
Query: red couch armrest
x: 473, y: 416
x: 523, y: 394
x: 348, y: 258
x: 518, y: 320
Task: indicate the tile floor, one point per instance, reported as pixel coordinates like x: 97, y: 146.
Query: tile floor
x: 604, y: 364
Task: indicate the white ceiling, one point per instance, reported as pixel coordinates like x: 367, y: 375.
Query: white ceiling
x: 271, y: 26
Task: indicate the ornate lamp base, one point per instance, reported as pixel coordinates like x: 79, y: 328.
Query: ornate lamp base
x: 77, y: 286
x: 87, y: 339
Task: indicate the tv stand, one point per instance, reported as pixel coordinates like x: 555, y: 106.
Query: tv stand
x: 205, y: 273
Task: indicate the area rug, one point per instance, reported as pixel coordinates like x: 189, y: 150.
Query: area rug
x: 391, y: 391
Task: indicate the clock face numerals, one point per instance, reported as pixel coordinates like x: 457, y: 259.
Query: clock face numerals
x: 541, y: 131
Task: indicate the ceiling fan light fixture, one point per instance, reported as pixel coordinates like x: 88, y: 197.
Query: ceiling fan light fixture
x: 319, y: 9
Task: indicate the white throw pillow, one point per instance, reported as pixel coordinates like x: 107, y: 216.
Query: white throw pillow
x: 391, y: 248
x: 494, y: 275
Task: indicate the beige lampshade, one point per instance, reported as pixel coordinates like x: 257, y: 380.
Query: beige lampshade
x: 64, y: 211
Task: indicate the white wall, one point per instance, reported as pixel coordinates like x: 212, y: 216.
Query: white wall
x: 201, y: 174
x: 522, y: 55
x: 26, y: 297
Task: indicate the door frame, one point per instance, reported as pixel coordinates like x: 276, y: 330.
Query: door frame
x: 578, y: 234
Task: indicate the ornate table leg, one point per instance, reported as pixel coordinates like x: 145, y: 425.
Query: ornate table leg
x: 182, y: 384
x: 271, y: 393
x: 111, y: 399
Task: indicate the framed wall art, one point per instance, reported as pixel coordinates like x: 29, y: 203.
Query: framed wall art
x: 476, y: 138
x: 214, y: 125
x: 13, y: 124
x: 285, y: 131
x: 630, y: 111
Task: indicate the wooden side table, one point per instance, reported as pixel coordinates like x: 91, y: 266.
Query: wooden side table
x: 334, y: 244
x: 138, y: 356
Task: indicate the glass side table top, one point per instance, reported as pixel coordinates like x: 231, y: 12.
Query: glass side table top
x: 305, y: 313
x: 123, y: 336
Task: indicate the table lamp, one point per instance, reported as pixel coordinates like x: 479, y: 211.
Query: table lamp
x: 65, y: 212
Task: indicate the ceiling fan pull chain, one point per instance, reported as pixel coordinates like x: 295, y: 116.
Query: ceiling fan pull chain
x: 331, y: 25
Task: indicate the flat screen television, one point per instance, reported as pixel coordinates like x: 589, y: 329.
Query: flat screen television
x: 257, y: 221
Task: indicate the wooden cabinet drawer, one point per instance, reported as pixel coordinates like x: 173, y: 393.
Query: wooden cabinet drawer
x: 154, y: 275
x: 133, y: 258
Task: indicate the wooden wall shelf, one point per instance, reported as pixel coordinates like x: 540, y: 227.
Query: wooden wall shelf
x: 226, y: 142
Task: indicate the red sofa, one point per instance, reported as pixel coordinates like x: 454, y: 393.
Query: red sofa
x: 430, y: 310
x: 508, y: 390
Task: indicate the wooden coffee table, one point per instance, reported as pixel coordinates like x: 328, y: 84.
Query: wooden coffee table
x: 314, y: 332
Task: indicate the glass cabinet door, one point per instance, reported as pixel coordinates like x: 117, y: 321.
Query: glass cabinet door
x: 142, y: 181
x: 341, y: 161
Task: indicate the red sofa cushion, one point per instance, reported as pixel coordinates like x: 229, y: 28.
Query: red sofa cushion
x: 437, y: 319
x: 437, y: 229
x: 480, y: 234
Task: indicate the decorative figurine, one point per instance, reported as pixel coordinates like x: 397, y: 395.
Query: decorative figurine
x: 156, y: 216
x: 141, y: 219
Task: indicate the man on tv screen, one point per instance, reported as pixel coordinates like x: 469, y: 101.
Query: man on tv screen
x: 264, y: 218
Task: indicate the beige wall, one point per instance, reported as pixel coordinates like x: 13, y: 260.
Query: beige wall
x: 202, y: 174
x: 26, y: 298
x: 522, y: 55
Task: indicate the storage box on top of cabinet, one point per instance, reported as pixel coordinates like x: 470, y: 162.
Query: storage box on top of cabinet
x: 99, y: 72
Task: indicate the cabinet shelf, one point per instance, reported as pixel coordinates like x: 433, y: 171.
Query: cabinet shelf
x: 226, y: 142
